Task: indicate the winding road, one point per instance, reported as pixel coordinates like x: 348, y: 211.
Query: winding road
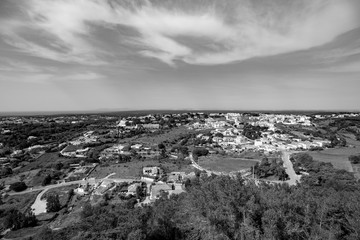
x: 39, y: 205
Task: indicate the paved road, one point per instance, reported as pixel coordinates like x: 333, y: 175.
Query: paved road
x: 47, y: 187
x: 39, y: 206
x: 290, y: 169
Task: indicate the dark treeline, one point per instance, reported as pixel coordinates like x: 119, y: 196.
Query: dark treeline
x: 45, y: 133
x: 227, y: 208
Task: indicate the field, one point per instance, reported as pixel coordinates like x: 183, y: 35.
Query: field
x: 339, y: 157
x: 24, y: 233
x: 44, y: 160
x: 25, y: 176
x: 134, y: 169
x: 225, y: 164
x: 63, y: 193
x: 21, y: 202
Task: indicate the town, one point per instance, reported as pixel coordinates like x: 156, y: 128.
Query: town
x: 53, y: 165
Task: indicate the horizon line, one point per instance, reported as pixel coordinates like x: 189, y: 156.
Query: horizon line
x: 101, y: 111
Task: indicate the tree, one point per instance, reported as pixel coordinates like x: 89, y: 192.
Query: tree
x: 354, y: 159
x: 53, y: 203
x: 218, y: 134
x: 136, y: 235
x: 87, y: 210
x: 139, y: 192
x: 18, y: 186
x: 14, y: 219
x: 58, y: 166
x: 5, y: 171
x: 47, y: 180
x: 161, y: 146
x: 198, y: 152
x: 184, y: 150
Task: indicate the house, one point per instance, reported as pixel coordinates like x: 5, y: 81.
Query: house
x: 151, y: 171
x: 74, y: 151
x: 131, y: 189
x: 104, y: 186
x: 122, y: 123
x: 258, y: 142
x: 158, y: 189
x: 136, y: 146
x: 175, y: 177
x: 151, y: 126
x: 16, y: 153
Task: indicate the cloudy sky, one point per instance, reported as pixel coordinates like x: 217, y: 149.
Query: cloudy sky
x: 60, y: 55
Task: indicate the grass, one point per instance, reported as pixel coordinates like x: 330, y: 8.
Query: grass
x: 23, y: 233
x: 339, y: 157
x: 251, y: 155
x: 221, y: 163
x: 356, y: 168
x: 21, y: 202
x: 134, y: 169
x: 63, y: 193
x: 27, y: 177
x: 43, y: 161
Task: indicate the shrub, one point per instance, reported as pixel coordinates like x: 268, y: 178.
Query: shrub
x: 354, y: 159
x: 18, y: 186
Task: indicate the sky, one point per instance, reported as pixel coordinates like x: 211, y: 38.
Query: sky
x: 89, y: 55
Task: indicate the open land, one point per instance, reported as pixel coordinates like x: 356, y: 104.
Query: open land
x: 21, y: 202
x: 221, y: 163
x: 339, y: 157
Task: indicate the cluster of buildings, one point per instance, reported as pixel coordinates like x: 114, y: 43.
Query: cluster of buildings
x: 88, y: 137
x: 154, y: 188
x: 227, y: 132
x: 116, y: 150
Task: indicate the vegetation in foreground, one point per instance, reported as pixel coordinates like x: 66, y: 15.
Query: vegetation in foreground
x: 220, y: 207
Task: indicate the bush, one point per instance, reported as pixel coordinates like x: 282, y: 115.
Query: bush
x: 14, y: 220
x: 354, y: 159
x: 18, y: 186
x: 5, y: 171
x: 53, y: 203
x: 198, y: 152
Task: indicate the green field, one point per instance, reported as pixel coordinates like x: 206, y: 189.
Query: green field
x: 62, y: 192
x: 339, y: 157
x: 26, y: 177
x: 21, y: 202
x: 221, y: 163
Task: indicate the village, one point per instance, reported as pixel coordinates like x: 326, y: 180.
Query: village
x: 81, y: 161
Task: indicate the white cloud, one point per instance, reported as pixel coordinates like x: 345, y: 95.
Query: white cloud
x: 241, y: 30
x: 86, y: 76
x: 253, y: 31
